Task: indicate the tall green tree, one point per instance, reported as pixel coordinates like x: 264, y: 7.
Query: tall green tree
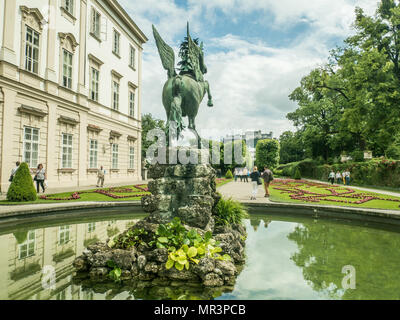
x: 292, y: 147
x: 149, y: 123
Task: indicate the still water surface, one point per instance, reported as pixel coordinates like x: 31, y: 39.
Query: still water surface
x: 287, y: 258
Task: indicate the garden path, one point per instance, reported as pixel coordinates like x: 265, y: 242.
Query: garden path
x: 242, y: 191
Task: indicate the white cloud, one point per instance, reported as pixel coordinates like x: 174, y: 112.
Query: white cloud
x: 250, y: 80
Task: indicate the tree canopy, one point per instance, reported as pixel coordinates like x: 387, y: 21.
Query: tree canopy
x: 351, y: 102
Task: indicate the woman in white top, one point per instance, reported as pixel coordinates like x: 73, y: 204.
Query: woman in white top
x: 40, y: 176
x: 331, y: 177
x: 338, y: 177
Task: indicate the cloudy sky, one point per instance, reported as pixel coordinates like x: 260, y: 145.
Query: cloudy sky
x: 256, y: 52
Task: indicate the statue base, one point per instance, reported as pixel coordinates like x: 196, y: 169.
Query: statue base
x: 189, y: 193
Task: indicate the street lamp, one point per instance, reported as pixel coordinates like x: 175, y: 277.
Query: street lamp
x: 111, y: 142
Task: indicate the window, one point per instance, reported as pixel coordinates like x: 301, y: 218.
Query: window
x: 31, y: 146
x: 131, y: 103
x: 115, y: 90
x: 69, y: 6
x: 114, y: 156
x: 66, y: 150
x: 131, y: 157
x: 27, y: 248
x: 93, y: 154
x: 116, y: 38
x: 63, y: 235
x: 95, y: 25
x: 132, y: 57
x: 94, y: 84
x: 67, y: 69
x: 91, y: 227
x: 32, y: 50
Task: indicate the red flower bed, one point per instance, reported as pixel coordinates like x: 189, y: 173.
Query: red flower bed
x: 296, y: 191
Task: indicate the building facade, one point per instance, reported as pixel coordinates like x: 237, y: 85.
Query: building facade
x: 70, y: 90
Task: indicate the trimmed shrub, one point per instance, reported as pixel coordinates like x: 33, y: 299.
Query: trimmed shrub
x: 22, y: 188
x: 229, y: 175
x: 267, y: 153
x: 297, y: 174
x: 229, y: 211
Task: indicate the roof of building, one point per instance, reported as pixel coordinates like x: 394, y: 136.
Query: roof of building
x: 127, y: 19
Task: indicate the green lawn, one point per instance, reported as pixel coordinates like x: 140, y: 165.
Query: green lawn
x: 318, y: 193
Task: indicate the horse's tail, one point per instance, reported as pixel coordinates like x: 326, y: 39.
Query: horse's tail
x: 177, y: 86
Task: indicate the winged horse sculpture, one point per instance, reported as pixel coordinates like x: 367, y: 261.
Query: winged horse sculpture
x: 183, y: 92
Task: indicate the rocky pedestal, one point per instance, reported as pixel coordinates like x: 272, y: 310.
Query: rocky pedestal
x: 189, y: 193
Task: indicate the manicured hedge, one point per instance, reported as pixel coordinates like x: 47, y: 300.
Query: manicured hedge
x: 229, y: 175
x: 22, y: 188
x: 382, y: 172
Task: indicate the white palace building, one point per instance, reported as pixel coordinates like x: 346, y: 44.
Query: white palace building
x: 70, y: 90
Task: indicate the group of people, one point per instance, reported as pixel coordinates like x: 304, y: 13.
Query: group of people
x: 340, y: 178
x: 256, y: 180
x: 241, y: 173
x: 41, y: 176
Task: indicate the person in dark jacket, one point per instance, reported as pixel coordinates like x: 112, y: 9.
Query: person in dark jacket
x: 267, y: 176
x: 254, y: 176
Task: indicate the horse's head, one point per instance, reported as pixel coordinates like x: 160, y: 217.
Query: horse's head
x: 203, y: 67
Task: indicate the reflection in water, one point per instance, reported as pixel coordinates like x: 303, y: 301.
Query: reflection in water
x: 287, y: 258
x: 323, y: 251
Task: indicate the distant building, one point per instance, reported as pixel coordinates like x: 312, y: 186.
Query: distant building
x: 251, y: 138
x: 70, y: 90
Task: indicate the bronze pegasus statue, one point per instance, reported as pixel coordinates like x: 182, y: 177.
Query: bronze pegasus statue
x: 183, y: 92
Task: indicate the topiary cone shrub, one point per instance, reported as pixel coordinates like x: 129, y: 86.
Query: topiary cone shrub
x: 229, y: 175
x: 297, y: 174
x: 22, y: 188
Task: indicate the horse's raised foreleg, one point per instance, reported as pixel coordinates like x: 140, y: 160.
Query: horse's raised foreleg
x: 192, y: 127
x: 207, y: 87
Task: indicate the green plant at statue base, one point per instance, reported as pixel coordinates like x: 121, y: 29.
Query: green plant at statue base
x: 297, y: 174
x: 185, y: 247
x: 22, y: 188
x: 229, y: 175
x: 115, y: 273
x: 131, y: 238
x: 229, y: 211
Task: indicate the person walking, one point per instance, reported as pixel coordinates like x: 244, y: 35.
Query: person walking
x: 241, y: 174
x: 246, y: 174
x: 338, y: 177
x: 254, y: 176
x: 347, y: 177
x: 13, y: 171
x: 100, y: 177
x: 40, y: 176
x: 267, y: 177
x: 331, y: 177
x: 344, y: 177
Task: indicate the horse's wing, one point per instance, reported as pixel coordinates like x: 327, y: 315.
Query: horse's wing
x: 166, y: 54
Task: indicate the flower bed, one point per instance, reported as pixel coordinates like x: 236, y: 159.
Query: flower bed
x: 136, y: 191
x: 297, y: 190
